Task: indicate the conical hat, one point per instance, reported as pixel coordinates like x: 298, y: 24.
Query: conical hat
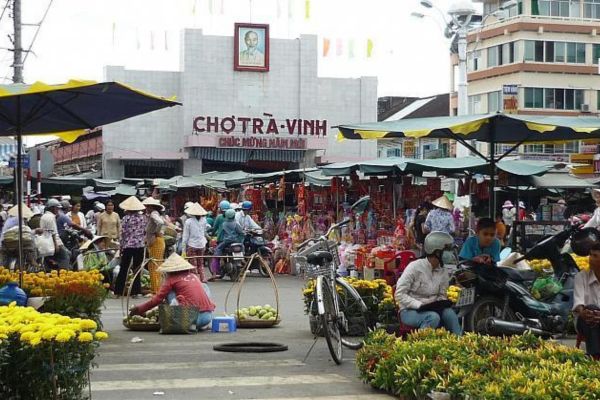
x: 88, y: 243
x: 175, y: 263
x: 132, y: 204
x: 443, y: 202
x: 196, y: 210
x: 151, y: 201
x: 25, y: 211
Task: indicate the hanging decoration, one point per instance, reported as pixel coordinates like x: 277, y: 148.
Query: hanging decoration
x: 369, y: 48
x: 326, y: 47
x: 339, y: 47
x: 351, y: 48
x: 307, y: 9
x: 114, y: 29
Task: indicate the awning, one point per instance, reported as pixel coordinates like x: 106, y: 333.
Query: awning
x: 317, y: 178
x: 378, y: 166
x: 490, y: 128
x: 83, y: 179
x: 560, y: 181
x: 6, y: 180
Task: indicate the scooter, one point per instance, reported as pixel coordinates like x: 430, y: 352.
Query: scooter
x: 234, y: 261
x: 255, y: 243
x: 497, y: 300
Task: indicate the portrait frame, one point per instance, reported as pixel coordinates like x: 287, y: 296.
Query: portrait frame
x: 263, y: 39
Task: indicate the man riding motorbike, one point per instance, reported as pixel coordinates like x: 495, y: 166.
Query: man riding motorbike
x: 217, y: 231
x: 231, y: 233
x: 245, y: 220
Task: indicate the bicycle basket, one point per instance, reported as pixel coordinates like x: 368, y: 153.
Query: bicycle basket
x: 312, y: 271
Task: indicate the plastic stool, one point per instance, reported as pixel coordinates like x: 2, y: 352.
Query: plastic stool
x: 224, y: 324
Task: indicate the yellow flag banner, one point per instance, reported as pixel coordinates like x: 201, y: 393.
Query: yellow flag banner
x: 369, y: 48
x: 307, y: 9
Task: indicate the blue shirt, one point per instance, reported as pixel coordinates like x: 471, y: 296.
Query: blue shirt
x: 472, y: 249
x: 62, y: 222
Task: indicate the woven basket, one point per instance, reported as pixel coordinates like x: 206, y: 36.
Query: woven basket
x: 129, y: 324
x: 135, y: 326
x: 254, y: 323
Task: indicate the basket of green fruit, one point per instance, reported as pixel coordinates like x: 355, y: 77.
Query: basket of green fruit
x: 140, y: 323
x: 255, y: 316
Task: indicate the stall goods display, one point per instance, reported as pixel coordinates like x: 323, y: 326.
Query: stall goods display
x: 151, y: 318
x: 53, y: 353
x: 265, y: 313
x: 540, y: 266
x: 429, y: 362
x: 453, y: 293
x: 45, y: 284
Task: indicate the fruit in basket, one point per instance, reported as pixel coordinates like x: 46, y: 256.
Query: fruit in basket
x: 257, y: 313
x: 151, y: 317
x: 540, y: 265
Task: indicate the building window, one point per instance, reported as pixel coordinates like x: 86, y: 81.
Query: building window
x: 534, y: 98
x: 397, y: 152
x: 534, y: 50
x: 559, y: 52
x: 576, y: 53
x: 591, y: 9
x: 492, y: 57
x: 598, y: 100
x: 555, y: 99
x: 508, y: 53
x: 514, y: 10
x: 556, y: 8
x: 475, y: 60
x: 596, y: 54
x: 494, y: 101
x: 563, y: 148
x: 475, y: 104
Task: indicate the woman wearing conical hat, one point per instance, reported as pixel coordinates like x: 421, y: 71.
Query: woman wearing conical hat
x: 182, y: 284
x: 440, y: 219
x: 194, y: 241
x: 132, y: 237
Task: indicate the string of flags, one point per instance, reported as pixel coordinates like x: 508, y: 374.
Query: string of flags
x: 351, y: 47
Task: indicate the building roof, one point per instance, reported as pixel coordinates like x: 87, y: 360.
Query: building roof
x: 394, y: 108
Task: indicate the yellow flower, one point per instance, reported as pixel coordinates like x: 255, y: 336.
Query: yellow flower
x: 35, y: 339
x: 50, y: 334
x: 65, y: 336
x: 88, y: 325
x: 101, y: 335
x: 85, y: 337
x: 26, y: 336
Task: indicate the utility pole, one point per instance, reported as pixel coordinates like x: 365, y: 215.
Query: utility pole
x: 18, y: 49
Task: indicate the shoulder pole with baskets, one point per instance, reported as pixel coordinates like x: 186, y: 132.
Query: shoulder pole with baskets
x: 239, y: 284
x: 135, y: 326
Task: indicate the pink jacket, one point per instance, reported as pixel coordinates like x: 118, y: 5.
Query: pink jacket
x: 187, y: 288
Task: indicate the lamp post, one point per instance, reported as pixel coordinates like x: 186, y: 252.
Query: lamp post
x: 461, y: 13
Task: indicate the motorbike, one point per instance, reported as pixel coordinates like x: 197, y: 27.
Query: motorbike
x: 497, y: 300
x: 234, y: 261
x: 255, y: 243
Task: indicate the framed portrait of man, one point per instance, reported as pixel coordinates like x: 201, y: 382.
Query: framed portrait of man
x: 251, y: 49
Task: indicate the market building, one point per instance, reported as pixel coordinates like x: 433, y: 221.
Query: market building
x: 258, y: 109
x: 537, y: 57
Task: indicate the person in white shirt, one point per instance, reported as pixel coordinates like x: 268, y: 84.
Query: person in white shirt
x: 421, y: 289
x: 77, y: 216
x: 245, y: 220
x: 509, y: 212
x: 594, y: 222
x: 193, y: 241
x: 48, y: 224
x: 586, y: 303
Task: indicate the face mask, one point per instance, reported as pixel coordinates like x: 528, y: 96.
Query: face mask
x: 449, y: 257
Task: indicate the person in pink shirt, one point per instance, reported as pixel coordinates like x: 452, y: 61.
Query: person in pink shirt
x: 182, y: 284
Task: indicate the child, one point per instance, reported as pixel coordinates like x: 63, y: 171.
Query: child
x: 484, y: 248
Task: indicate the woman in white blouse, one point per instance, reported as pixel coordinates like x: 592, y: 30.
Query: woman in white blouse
x: 194, y: 240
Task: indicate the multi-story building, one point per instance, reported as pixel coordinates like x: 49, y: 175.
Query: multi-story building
x: 395, y: 108
x: 546, y: 54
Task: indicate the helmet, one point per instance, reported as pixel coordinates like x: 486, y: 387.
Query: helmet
x: 247, y: 205
x: 65, y: 204
x: 230, y: 214
x: 224, y: 205
x: 53, y: 203
x: 235, y: 206
x: 100, y: 206
x: 437, y: 241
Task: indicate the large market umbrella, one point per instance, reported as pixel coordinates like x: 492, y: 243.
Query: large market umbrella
x: 491, y: 128
x: 67, y: 110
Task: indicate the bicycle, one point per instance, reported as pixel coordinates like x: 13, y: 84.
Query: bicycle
x: 322, y: 261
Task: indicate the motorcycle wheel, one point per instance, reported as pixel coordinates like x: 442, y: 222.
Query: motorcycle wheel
x: 270, y: 262
x: 485, y: 307
x: 234, y: 273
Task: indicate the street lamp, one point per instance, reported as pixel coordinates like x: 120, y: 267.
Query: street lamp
x: 461, y: 13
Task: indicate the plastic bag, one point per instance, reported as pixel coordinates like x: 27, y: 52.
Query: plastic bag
x: 545, y: 287
x: 45, y: 244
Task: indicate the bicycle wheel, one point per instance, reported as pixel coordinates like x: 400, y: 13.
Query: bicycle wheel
x: 329, y: 319
x: 355, y: 324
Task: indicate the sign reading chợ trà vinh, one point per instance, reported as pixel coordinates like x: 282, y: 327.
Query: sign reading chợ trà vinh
x: 266, y: 125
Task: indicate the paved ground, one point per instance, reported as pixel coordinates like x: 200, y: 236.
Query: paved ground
x: 186, y: 367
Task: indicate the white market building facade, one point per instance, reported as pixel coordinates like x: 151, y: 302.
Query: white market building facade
x: 280, y: 117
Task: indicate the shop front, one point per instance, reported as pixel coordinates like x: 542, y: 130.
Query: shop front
x: 273, y: 117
